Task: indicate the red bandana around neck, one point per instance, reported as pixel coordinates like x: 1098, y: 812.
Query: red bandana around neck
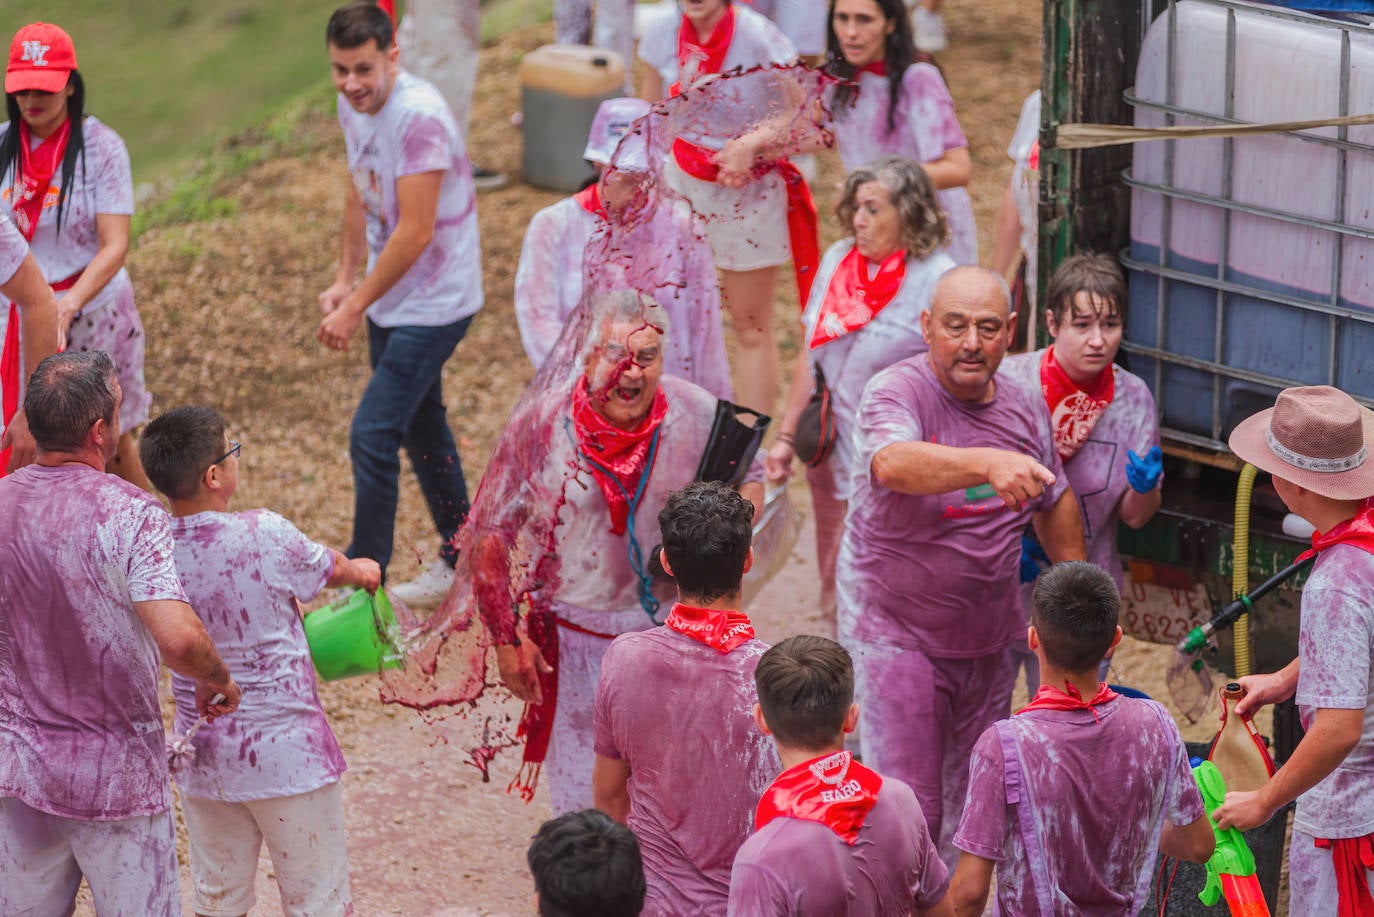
x: 877, y: 67
x: 708, y: 56
x: 589, y: 198
x: 1051, y: 698
x: 1357, y: 531
x: 835, y: 790
x: 1074, y: 410
x: 720, y: 630
x: 36, y: 170
x: 853, y: 299
x: 617, y: 457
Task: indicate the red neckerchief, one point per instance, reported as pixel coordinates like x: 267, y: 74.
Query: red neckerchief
x: 1357, y: 531
x: 835, y: 790
x: 853, y: 299
x: 589, y: 198
x: 709, y: 55
x: 876, y: 67
x: 615, y: 454
x: 36, y: 169
x: 720, y: 630
x: 1352, y: 857
x: 803, y: 233
x: 1074, y: 410
x: 1050, y: 698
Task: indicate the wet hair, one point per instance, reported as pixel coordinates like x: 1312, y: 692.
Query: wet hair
x: 707, y: 529
x: 356, y: 24
x: 923, y: 224
x: 586, y: 865
x: 67, y: 393
x: 899, y: 53
x: 1074, y: 609
x: 178, y: 447
x: 806, y: 687
x: 1097, y: 275
x: 619, y: 307
x: 76, y: 142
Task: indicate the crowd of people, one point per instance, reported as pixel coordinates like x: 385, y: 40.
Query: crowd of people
x: 966, y: 502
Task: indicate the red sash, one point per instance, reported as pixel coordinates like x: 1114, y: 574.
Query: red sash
x: 1351, y: 857
x: 709, y: 56
x: 720, y: 630
x: 1051, y: 698
x: 835, y: 790
x: 853, y: 299
x: 589, y: 199
x: 1074, y: 411
x: 9, y: 379
x: 33, y: 187
x: 802, y: 231
x: 616, y: 455
x: 1357, y: 531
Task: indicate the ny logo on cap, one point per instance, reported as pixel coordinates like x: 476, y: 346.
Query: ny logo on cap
x: 36, y: 52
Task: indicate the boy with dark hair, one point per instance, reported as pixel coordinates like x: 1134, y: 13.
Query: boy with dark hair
x: 678, y: 757
x: 272, y: 773
x: 1064, y: 829
x: 834, y: 837
x: 586, y: 865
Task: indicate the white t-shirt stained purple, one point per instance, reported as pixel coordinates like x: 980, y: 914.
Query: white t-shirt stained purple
x: 939, y: 573
x: 925, y: 128
x: 850, y: 361
x: 793, y: 866
x: 415, y: 133
x: 81, y: 732
x: 243, y: 573
x: 1336, y: 646
x: 1097, y: 471
x: 1099, y: 792
x: 680, y: 714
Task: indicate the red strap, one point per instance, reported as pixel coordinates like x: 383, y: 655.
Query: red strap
x: 67, y: 283
x: 9, y: 379
x: 803, y: 231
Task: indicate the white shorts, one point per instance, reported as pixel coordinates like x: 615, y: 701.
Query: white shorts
x: 747, y: 227
x: 305, y: 838
x: 129, y: 864
x: 805, y: 22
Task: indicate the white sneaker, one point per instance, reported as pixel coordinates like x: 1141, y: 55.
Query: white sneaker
x: 427, y: 589
x: 930, y: 30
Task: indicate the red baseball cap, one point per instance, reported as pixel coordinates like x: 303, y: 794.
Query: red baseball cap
x: 41, y: 57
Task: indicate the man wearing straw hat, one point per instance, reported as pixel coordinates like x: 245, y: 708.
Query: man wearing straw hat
x: 1316, y: 443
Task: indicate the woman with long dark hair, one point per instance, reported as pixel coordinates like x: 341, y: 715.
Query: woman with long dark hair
x: 899, y: 106
x: 65, y: 177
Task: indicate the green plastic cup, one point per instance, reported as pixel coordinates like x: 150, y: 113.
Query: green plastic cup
x: 354, y: 636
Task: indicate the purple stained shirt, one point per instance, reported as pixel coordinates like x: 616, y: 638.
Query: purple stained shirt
x: 795, y: 866
x: 1099, y: 793
x: 681, y: 715
x: 1097, y: 471
x: 415, y: 133
x: 81, y: 732
x: 243, y: 573
x: 1336, y: 646
x: 925, y: 129
x: 939, y: 573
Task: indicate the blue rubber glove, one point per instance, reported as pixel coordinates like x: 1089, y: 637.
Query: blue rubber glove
x: 1143, y: 474
x: 1033, y: 559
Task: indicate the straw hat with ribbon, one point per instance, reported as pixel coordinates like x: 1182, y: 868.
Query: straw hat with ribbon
x: 1316, y: 437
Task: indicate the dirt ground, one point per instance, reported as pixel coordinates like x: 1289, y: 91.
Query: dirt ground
x: 229, y: 308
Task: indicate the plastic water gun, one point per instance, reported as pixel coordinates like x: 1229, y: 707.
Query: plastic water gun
x: 1231, y: 870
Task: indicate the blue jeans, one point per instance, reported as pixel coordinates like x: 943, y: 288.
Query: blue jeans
x: 403, y: 405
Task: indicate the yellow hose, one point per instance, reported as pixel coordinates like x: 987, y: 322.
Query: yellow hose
x: 1240, y: 566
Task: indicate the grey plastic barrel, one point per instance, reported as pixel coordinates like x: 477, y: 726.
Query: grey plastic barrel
x: 561, y: 87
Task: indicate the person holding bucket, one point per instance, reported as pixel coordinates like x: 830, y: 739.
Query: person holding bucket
x: 272, y: 772
x: 1315, y: 443
x: 864, y: 314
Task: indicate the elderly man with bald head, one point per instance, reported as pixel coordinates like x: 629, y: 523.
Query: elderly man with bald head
x: 955, y: 461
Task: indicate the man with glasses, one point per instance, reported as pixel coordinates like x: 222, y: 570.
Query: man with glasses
x: 89, y: 598
x: 955, y: 461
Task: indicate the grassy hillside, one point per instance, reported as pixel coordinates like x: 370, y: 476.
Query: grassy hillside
x: 172, y: 77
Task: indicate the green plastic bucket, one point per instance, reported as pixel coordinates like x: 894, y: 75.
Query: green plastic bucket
x: 354, y: 636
